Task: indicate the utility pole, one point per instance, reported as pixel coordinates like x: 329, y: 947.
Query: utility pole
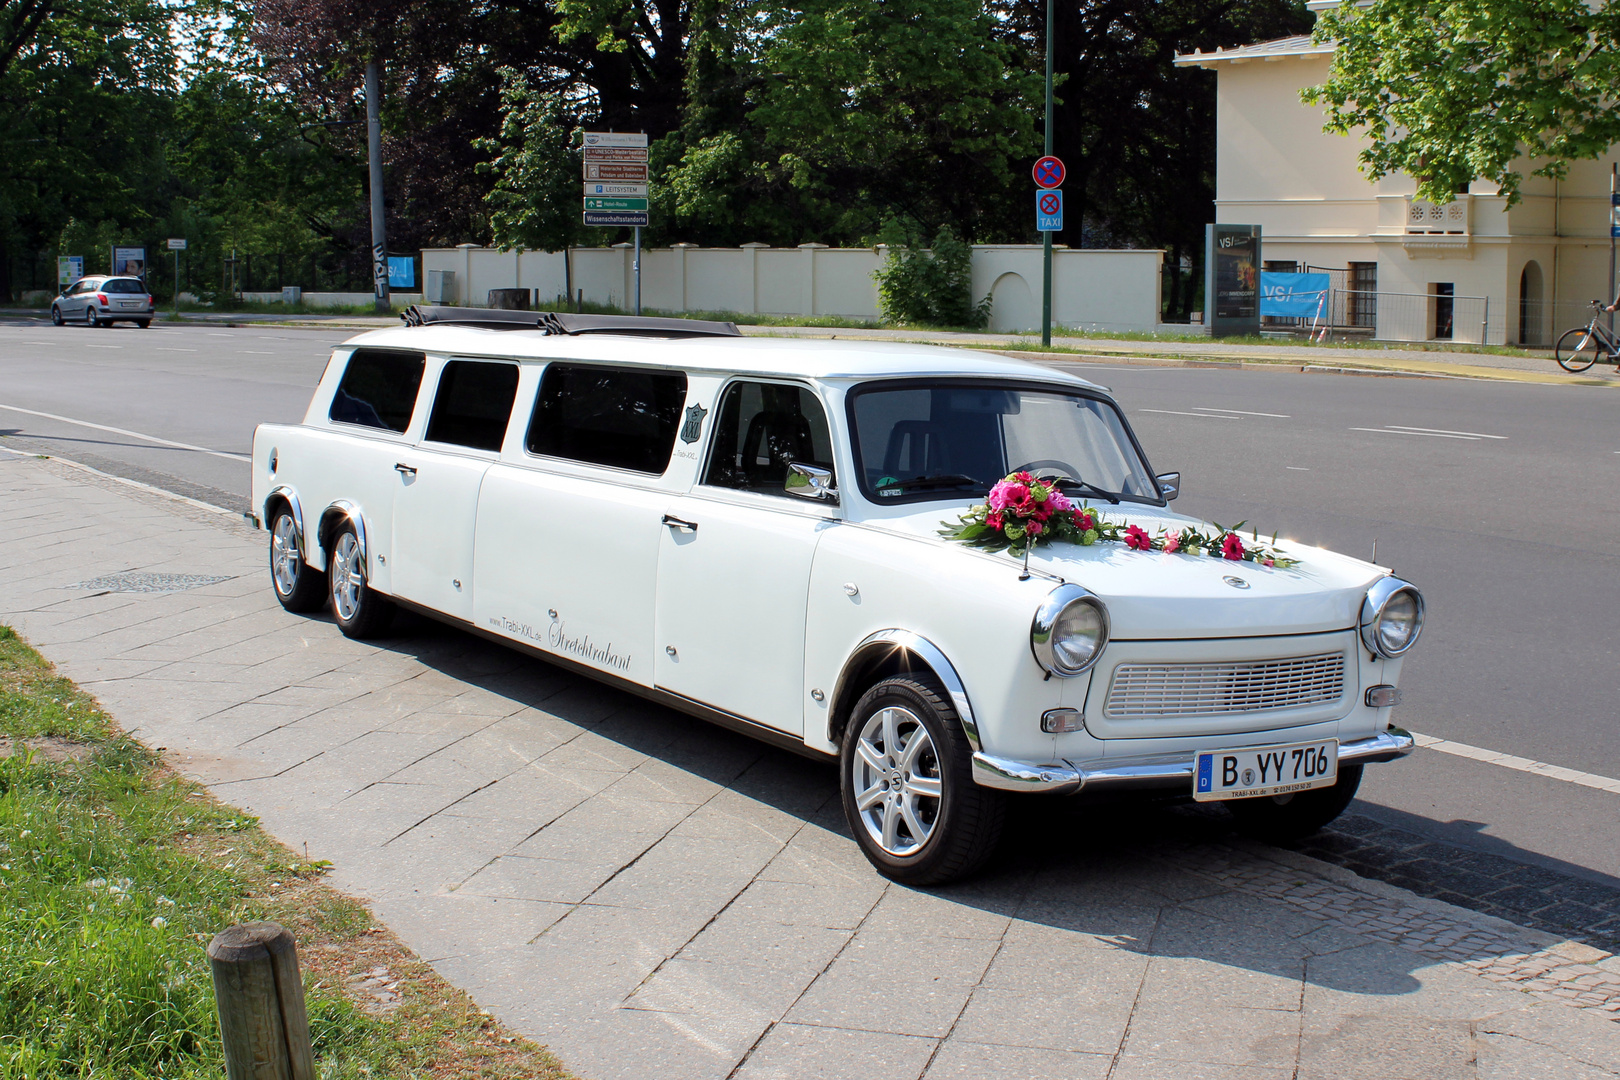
x: 1614, y: 231
x: 1046, y: 237
x: 379, y: 229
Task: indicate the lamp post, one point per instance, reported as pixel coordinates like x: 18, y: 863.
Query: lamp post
x: 379, y: 229
x: 1046, y: 237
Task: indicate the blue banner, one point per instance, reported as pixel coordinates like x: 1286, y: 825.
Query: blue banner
x: 401, y: 272
x: 1299, y: 296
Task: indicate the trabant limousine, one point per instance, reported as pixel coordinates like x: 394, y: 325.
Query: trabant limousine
x: 756, y: 531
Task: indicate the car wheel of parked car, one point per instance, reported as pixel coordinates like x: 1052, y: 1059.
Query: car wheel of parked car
x: 56, y: 316
x: 143, y: 323
x: 908, y: 787
x: 1282, y: 819
x: 90, y: 318
x: 299, y: 586
x: 360, y: 612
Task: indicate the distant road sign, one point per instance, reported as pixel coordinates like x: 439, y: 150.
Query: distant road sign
x: 1049, y: 172
x: 596, y: 170
x: 615, y: 138
x: 177, y: 245
x: 615, y: 217
x: 593, y: 202
x: 631, y: 191
x: 1049, y: 211
x: 636, y: 155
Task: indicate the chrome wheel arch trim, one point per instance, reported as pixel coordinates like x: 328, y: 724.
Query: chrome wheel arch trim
x: 285, y: 492
x: 928, y: 653
x: 344, y: 510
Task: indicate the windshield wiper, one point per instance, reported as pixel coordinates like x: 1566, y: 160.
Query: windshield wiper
x: 924, y: 483
x: 1068, y: 483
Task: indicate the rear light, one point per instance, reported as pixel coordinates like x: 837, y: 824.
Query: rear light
x: 151, y: 301
x: 101, y: 298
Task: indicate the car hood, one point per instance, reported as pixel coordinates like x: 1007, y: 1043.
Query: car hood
x: 1152, y: 595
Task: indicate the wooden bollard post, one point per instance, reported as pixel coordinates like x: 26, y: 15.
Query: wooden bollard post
x: 261, y: 1003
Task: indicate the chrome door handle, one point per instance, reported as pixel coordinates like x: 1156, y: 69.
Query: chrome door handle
x: 404, y: 469
x: 676, y: 523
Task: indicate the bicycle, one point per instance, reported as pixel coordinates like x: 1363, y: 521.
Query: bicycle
x: 1580, y: 348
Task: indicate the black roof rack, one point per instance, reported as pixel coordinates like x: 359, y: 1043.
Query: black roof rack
x: 562, y: 322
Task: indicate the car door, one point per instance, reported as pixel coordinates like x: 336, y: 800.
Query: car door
x: 734, y: 560
x: 566, y: 543
x: 373, y: 406
x: 73, y: 304
x: 436, y: 495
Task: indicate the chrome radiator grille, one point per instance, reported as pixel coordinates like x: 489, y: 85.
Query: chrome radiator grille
x: 1145, y: 690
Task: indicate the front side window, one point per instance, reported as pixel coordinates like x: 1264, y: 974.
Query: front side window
x: 949, y: 439
x: 473, y: 404
x: 624, y: 418
x: 379, y: 389
x: 761, y: 428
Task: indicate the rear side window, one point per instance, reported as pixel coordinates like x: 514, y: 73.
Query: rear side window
x: 473, y: 404
x: 379, y: 389
x: 124, y: 285
x: 624, y: 418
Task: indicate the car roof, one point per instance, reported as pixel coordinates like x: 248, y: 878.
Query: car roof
x: 804, y: 358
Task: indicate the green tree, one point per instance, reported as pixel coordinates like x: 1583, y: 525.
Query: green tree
x: 535, y: 203
x: 1450, y: 90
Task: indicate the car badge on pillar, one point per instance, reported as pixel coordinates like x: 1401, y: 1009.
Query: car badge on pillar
x: 694, y: 424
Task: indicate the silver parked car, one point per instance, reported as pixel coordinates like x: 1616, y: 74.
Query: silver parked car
x: 102, y: 301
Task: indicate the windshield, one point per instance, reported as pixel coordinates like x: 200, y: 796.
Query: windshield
x: 942, y: 440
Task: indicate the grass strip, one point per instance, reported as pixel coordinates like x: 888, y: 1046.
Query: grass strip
x: 114, y: 874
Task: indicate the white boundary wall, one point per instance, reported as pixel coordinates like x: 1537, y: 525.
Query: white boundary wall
x: 1091, y: 288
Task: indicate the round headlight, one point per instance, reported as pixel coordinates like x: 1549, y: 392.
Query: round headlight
x: 1391, y: 617
x: 1069, y: 631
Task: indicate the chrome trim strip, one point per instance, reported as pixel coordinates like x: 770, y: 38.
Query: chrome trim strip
x: 285, y: 491
x: 352, y: 512
x: 934, y: 658
x: 1158, y: 771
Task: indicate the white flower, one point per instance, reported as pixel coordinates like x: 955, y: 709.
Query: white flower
x: 159, y: 923
x: 25, y: 834
x: 96, y: 883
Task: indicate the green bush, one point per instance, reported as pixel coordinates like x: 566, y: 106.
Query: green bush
x: 930, y: 286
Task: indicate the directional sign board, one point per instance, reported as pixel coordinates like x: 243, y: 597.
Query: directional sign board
x: 627, y: 154
x: 1049, y: 211
x: 616, y: 170
x: 616, y: 217
x: 593, y: 202
x: 623, y: 191
x: 1049, y: 172
x: 177, y: 245
x: 615, y: 138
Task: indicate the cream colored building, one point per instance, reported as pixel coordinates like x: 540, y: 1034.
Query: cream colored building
x: 1518, y: 275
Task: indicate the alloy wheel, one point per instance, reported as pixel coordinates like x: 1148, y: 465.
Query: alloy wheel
x: 895, y: 774
x: 348, y: 577
x: 285, y: 559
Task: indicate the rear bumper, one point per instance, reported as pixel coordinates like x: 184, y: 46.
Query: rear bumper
x: 1161, y: 771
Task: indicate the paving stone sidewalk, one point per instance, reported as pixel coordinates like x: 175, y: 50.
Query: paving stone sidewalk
x: 654, y: 897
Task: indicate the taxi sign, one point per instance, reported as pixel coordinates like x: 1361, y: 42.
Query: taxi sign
x: 1049, y: 211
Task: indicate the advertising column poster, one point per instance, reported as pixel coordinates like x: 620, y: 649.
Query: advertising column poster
x: 1232, y: 279
x: 129, y: 261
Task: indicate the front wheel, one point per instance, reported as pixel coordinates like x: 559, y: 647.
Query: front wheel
x: 908, y: 790
x: 299, y: 586
x: 360, y: 612
x: 1578, y: 349
x: 1283, y: 819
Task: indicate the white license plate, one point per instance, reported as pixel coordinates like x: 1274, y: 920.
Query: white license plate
x: 1248, y: 771
x: 130, y: 304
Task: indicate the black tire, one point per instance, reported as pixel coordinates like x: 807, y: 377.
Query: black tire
x: 56, y: 316
x: 143, y: 323
x: 1284, y: 819
x: 961, y: 826
x: 91, y: 318
x: 299, y: 586
x: 1577, y: 350
x: 360, y: 612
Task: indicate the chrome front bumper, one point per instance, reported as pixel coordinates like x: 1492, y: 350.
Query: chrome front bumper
x: 1160, y: 771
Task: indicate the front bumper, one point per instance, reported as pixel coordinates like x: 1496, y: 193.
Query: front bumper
x: 1156, y: 771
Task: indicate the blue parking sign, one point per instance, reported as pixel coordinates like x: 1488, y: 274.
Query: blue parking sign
x: 401, y: 272
x: 1049, y: 211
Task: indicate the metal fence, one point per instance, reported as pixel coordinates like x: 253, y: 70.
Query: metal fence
x: 1426, y: 317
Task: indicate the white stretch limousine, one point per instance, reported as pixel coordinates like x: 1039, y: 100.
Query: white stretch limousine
x: 955, y: 573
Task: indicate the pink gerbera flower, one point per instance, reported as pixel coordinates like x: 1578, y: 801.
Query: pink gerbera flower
x: 1232, y: 547
x: 1137, y: 538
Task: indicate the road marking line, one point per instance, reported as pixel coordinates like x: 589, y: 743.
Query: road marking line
x: 1527, y: 765
x: 130, y: 434
x: 1429, y: 434
x: 1201, y: 416
x: 1443, y: 431
x: 101, y: 346
x: 1245, y: 412
x: 162, y: 348
x: 1296, y: 468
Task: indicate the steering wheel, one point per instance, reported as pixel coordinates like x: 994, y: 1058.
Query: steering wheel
x: 1063, y: 467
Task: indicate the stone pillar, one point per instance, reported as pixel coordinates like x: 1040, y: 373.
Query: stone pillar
x: 753, y: 275
x: 807, y: 300
x: 680, y: 273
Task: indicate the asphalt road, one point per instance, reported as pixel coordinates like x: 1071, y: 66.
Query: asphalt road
x: 1497, y: 499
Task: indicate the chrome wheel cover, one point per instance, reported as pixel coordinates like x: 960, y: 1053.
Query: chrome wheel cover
x: 894, y: 773
x: 348, y: 577
x: 286, y: 559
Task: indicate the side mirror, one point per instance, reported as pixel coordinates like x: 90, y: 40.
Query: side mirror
x: 1169, y: 485
x: 810, y: 482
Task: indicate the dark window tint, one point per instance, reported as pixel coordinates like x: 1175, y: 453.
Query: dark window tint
x: 761, y: 428
x: 379, y: 389
x: 608, y: 416
x: 124, y: 285
x: 473, y: 404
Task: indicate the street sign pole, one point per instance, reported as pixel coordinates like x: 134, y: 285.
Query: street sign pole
x: 177, y: 283
x: 1046, y: 238
x: 638, y: 269
x: 379, y: 228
